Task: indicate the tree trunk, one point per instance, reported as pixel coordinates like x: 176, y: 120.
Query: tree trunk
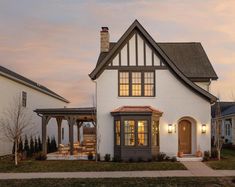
x: 218, y: 154
x: 16, y: 148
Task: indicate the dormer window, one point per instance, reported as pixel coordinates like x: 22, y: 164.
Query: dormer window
x: 136, y: 84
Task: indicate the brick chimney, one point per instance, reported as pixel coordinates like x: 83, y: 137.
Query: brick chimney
x: 104, y: 39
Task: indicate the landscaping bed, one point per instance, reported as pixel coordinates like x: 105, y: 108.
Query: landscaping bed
x: 227, y: 161
x: 136, y: 182
x: 74, y: 165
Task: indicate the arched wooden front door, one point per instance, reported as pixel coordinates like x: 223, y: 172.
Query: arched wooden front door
x: 185, y: 136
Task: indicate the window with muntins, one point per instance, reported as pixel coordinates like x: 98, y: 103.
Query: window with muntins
x: 118, y: 132
x: 24, y: 99
x: 124, y: 83
x: 136, y: 84
x: 142, y: 133
x: 129, y: 132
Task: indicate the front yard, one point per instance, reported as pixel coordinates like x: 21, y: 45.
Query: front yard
x: 226, y: 163
x: 136, y: 182
x: 73, y: 166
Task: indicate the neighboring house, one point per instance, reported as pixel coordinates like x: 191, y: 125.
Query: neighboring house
x: 33, y: 96
x: 152, y: 97
x: 228, y: 121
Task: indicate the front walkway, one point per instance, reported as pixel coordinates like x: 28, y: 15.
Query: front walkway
x: 195, y: 169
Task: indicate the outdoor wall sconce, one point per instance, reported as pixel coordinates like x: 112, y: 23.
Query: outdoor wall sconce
x: 203, y: 128
x: 170, y: 128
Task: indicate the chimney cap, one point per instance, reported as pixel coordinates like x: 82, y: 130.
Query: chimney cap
x: 104, y: 29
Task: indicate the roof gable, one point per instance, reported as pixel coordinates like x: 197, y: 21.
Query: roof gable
x: 174, y: 69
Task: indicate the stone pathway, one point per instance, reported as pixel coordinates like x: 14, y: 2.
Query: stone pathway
x: 195, y: 169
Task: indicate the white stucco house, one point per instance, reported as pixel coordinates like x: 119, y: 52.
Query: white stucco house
x: 227, y: 110
x: 151, y: 96
x: 33, y: 95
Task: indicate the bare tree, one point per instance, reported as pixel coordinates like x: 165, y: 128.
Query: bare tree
x: 219, y: 141
x: 15, y: 122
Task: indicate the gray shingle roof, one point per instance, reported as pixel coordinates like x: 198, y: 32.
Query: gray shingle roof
x: 23, y: 80
x: 190, y: 58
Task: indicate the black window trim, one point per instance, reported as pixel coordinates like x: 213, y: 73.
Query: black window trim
x: 142, y: 82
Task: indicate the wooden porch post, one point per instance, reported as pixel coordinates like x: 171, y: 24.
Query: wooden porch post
x: 59, y: 122
x: 79, y: 124
x: 71, y: 122
x: 45, y: 120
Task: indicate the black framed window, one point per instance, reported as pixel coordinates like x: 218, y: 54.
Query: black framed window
x: 24, y: 99
x: 148, y: 83
x: 124, y: 84
x: 142, y: 133
x: 129, y: 132
x: 136, y: 83
x: 118, y: 132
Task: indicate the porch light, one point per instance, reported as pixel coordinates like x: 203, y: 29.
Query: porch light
x: 170, y: 128
x: 203, y: 128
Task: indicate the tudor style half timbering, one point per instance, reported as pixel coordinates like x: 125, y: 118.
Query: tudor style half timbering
x: 138, y: 74
x: 136, y: 52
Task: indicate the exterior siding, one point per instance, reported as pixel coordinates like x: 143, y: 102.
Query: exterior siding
x: 35, y: 99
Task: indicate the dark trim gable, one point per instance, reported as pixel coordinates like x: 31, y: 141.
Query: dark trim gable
x: 136, y: 25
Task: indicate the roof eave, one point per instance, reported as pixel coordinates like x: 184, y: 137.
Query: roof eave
x: 33, y: 87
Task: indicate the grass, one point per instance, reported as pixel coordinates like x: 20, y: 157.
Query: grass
x: 226, y: 163
x: 119, y: 182
x: 73, y: 166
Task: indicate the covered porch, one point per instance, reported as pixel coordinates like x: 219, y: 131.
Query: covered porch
x: 75, y: 117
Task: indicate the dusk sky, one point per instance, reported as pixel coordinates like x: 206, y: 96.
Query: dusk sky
x: 56, y: 43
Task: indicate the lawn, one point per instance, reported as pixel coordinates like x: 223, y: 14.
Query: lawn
x: 226, y: 163
x: 136, y: 182
x: 73, y: 166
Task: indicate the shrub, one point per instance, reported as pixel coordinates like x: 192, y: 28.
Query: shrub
x: 107, y: 157
x: 150, y: 160
x: 154, y: 158
x: 173, y: 159
x: 98, y: 156
x: 167, y: 158
x: 214, y: 153
x: 90, y: 156
x: 40, y: 156
x: 161, y: 156
x: 131, y: 159
x: 140, y: 159
x: 26, y: 146
x: 31, y: 147
x: 206, y: 156
x: 117, y: 159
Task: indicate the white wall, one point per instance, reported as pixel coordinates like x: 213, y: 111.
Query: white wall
x: 173, y: 98
x: 35, y: 99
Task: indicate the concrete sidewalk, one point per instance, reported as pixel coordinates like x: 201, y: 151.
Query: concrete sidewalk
x: 195, y: 169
